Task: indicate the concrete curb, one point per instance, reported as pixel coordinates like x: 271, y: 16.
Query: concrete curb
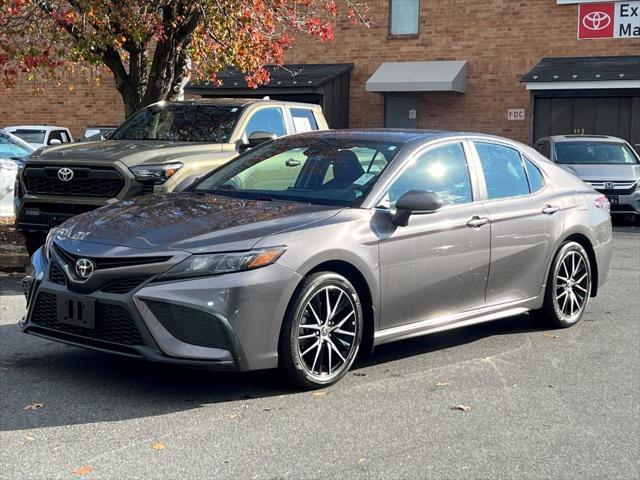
x: 14, y: 261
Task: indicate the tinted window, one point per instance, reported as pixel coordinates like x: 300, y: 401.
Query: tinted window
x: 303, y: 120
x: 267, y: 120
x: 405, y: 17
x: 594, y: 153
x: 332, y: 171
x: 54, y: 135
x: 504, y: 174
x: 180, y: 122
x: 536, y: 180
x: 442, y: 170
x: 544, y: 149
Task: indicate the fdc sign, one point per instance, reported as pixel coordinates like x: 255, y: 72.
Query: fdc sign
x: 609, y: 20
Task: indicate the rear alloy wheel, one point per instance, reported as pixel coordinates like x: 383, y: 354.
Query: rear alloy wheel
x: 569, y: 286
x: 322, y: 331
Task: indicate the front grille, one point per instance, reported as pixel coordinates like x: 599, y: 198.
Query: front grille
x: 189, y: 325
x: 123, y: 286
x: 86, y: 181
x: 113, y: 322
x: 614, y: 188
x: 108, y: 262
x: 56, y: 275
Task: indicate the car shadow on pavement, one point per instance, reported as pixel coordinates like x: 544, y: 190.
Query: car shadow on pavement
x: 78, y: 386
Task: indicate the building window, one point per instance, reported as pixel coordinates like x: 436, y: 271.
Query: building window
x: 405, y: 17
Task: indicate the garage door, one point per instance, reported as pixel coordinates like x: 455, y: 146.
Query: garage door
x: 601, y: 115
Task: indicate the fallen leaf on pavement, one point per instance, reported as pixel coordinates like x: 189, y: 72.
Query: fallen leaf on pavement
x: 442, y: 384
x: 29, y: 438
x: 80, y: 471
x: 463, y: 408
x: 33, y: 406
x: 234, y: 415
x: 549, y: 335
x: 359, y: 374
x: 158, y: 446
x: 321, y: 393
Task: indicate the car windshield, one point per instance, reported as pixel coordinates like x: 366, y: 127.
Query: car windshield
x: 186, y: 122
x: 326, y: 171
x: 595, y: 153
x: 30, y: 135
x: 10, y: 148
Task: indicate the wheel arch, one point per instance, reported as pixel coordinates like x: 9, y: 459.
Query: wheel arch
x: 584, y: 241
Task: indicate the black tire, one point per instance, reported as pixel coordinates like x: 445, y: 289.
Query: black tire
x: 33, y: 241
x: 292, y: 361
x: 559, y: 292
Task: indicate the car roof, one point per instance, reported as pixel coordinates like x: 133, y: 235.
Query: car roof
x: 236, y: 102
x: 585, y: 138
x: 34, y: 127
x: 395, y: 135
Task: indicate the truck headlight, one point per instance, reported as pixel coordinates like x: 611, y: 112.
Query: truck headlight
x: 158, y: 174
x: 219, y: 263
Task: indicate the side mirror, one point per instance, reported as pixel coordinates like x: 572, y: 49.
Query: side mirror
x: 256, y: 138
x: 55, y: 141
x: 415, y: 202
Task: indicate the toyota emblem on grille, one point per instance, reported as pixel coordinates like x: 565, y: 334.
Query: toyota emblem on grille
x: 85, y: 267
x: 65, y: 174
x: 596, y: 21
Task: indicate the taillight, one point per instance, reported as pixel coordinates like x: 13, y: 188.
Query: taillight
x: 602, y: 203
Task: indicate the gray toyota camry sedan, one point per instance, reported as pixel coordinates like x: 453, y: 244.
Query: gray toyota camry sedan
x: 307, y: 249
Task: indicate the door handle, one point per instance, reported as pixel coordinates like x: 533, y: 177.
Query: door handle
x: 477, y: 221
x: 550, y: 209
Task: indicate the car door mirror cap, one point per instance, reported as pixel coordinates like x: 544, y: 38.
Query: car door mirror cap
x: 55, y: 141
x: 415, y: 202
x: 254, y: 139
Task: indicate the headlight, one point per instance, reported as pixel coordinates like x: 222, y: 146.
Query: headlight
x: 156, y: 173
x: 219, y: 263
x: 48, y: 242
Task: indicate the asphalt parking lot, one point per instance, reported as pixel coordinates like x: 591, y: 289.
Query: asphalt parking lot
x: 543, y: 404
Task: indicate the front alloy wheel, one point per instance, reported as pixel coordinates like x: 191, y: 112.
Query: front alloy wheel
x: 322, y: 331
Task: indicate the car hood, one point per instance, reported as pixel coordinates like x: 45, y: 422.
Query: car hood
x: 604, y: 172
x: 129, y: 152
x: 190, y: 222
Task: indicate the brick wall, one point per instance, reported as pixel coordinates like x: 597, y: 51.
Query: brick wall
x: 501, y: 39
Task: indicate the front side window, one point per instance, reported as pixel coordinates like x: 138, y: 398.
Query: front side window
x: 185, y: 122
x: 405, y: 17
x: 442, y: 170
x: 503, y: 171
x: 268, y: 120
x: 303, y: 120
x: 327, y: 171
x: 598, y: 153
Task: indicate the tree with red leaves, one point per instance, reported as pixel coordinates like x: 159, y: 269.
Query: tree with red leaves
x: 152, y: 47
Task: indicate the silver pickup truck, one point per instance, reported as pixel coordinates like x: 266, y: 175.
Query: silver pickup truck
x: 160, y: 149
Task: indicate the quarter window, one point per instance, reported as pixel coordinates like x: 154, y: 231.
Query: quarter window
x: 442, y: 170
x: 405, y: 17
x: 303, y: 120
x: 536, y: 180
x: 267, y: 120
x: 504, y: 173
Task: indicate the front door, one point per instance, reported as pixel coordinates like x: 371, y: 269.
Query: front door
x: 438, y: 264
x: 401, y: 111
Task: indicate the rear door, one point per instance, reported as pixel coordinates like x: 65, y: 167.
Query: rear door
x: 526, y: 219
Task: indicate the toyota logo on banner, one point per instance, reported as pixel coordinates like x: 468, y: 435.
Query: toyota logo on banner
x: 596, y: 21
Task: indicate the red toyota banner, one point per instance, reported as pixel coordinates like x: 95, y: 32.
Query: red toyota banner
x: 609, y: 20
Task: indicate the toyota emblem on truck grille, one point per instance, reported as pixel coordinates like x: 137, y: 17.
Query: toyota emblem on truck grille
x: 65, y: 174
x: 84, y: 267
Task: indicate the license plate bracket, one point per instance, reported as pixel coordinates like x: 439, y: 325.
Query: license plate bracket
x: 76, y: 311
x: 613, y: 199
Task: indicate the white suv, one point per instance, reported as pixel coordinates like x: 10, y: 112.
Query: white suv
x: 41, y: 135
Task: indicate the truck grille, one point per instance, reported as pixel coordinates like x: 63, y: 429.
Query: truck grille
x: 113, y: 322
x: 86, y: 181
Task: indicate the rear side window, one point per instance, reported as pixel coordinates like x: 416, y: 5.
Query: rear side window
x: 503, y: 171
x: 536, y: 180
x: 442, y: 170
x: 303, y: 120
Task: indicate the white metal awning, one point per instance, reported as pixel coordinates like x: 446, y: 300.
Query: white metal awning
x: 436, y: 76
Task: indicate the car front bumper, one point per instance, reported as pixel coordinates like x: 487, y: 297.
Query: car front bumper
x: 226, y: 322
